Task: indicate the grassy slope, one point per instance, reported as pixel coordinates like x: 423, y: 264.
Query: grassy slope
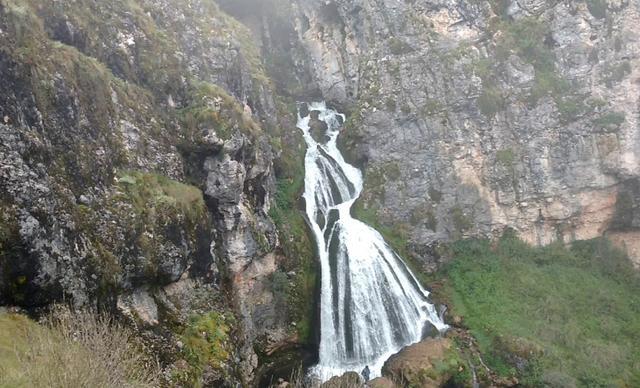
x: 574, y: 313
x: 75, y: 350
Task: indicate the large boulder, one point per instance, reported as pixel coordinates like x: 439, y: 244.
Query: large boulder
x: 416, y: 364
x: 347, y: 380
x: 381, y: 382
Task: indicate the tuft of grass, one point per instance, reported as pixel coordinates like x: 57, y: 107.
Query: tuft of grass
x: 71, y: 350
x: 149, y: 192
x: 550, y: 313
x: 213, y: 108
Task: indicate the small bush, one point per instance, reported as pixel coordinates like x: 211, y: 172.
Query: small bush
x: 461, y: 221
x: 610, y: 119
x: 72, y: 350
x: 490, y: 101
x: 206, y: 345
x: 505, y: 157
x: 616, y: 73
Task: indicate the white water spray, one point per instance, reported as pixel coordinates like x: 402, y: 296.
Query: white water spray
x: 371, y: 304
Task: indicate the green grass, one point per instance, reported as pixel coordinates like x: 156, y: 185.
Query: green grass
x: 574, y: 313
x: 610, y: 119
x: 152, y: 192
x: 207, y: 344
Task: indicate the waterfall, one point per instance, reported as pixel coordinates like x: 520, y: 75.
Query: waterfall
x: 371, y: 303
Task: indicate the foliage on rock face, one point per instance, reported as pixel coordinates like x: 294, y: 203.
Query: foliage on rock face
x: 206, y: 341
x: 156, y: 195
x: 71, y: 350
x: 552, y: 314
x: 295, y: 237
x: 213, y: 108
x: 148, y: 214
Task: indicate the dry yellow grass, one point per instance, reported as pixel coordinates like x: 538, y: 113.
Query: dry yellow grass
x: 71, y: 350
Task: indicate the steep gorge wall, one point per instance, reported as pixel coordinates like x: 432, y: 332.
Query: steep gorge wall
x: 137, y: 171
x: 475, y: 116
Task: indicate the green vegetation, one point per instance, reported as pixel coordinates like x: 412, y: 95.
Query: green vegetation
x: 461, y: 221
x: 491, y: 101
x: 614, y: 119
x: 527, y: 39
x: 431, y: 107
x: 398, y: 46
x: 153, y: 194
x: 553, y: 316
x: 294, y: 234
x: 424, y: 215
x: 213, y: 108
x: 616, y: 73
x: 206, y: 345
x: 505, y: 157
x: 71, y: 350
x: 451, y: 369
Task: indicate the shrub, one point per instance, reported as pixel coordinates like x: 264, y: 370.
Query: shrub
x: 490, y: 101
x: 505, y: 157
x: 610, y: 119
x: 616, y: 73
x: 206, y: 345
x: 72, y: 349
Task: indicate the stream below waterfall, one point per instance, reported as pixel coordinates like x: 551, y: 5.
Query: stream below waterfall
x: 371, y: 305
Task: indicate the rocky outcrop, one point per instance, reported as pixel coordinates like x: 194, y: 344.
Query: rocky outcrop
x: 413, y: 364
x: 471, y: 117
x: 136, y: 173
x: 347, y: 380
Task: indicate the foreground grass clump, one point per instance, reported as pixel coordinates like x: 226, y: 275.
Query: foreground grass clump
x: 71, y: 350
x: 551, y: 316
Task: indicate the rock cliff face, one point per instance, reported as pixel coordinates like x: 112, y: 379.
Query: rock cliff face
x: 475, y: 116
x: 149, y: 163
x: 136, y: 169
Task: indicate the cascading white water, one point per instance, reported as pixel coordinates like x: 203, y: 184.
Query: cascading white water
x: 371, y: 304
